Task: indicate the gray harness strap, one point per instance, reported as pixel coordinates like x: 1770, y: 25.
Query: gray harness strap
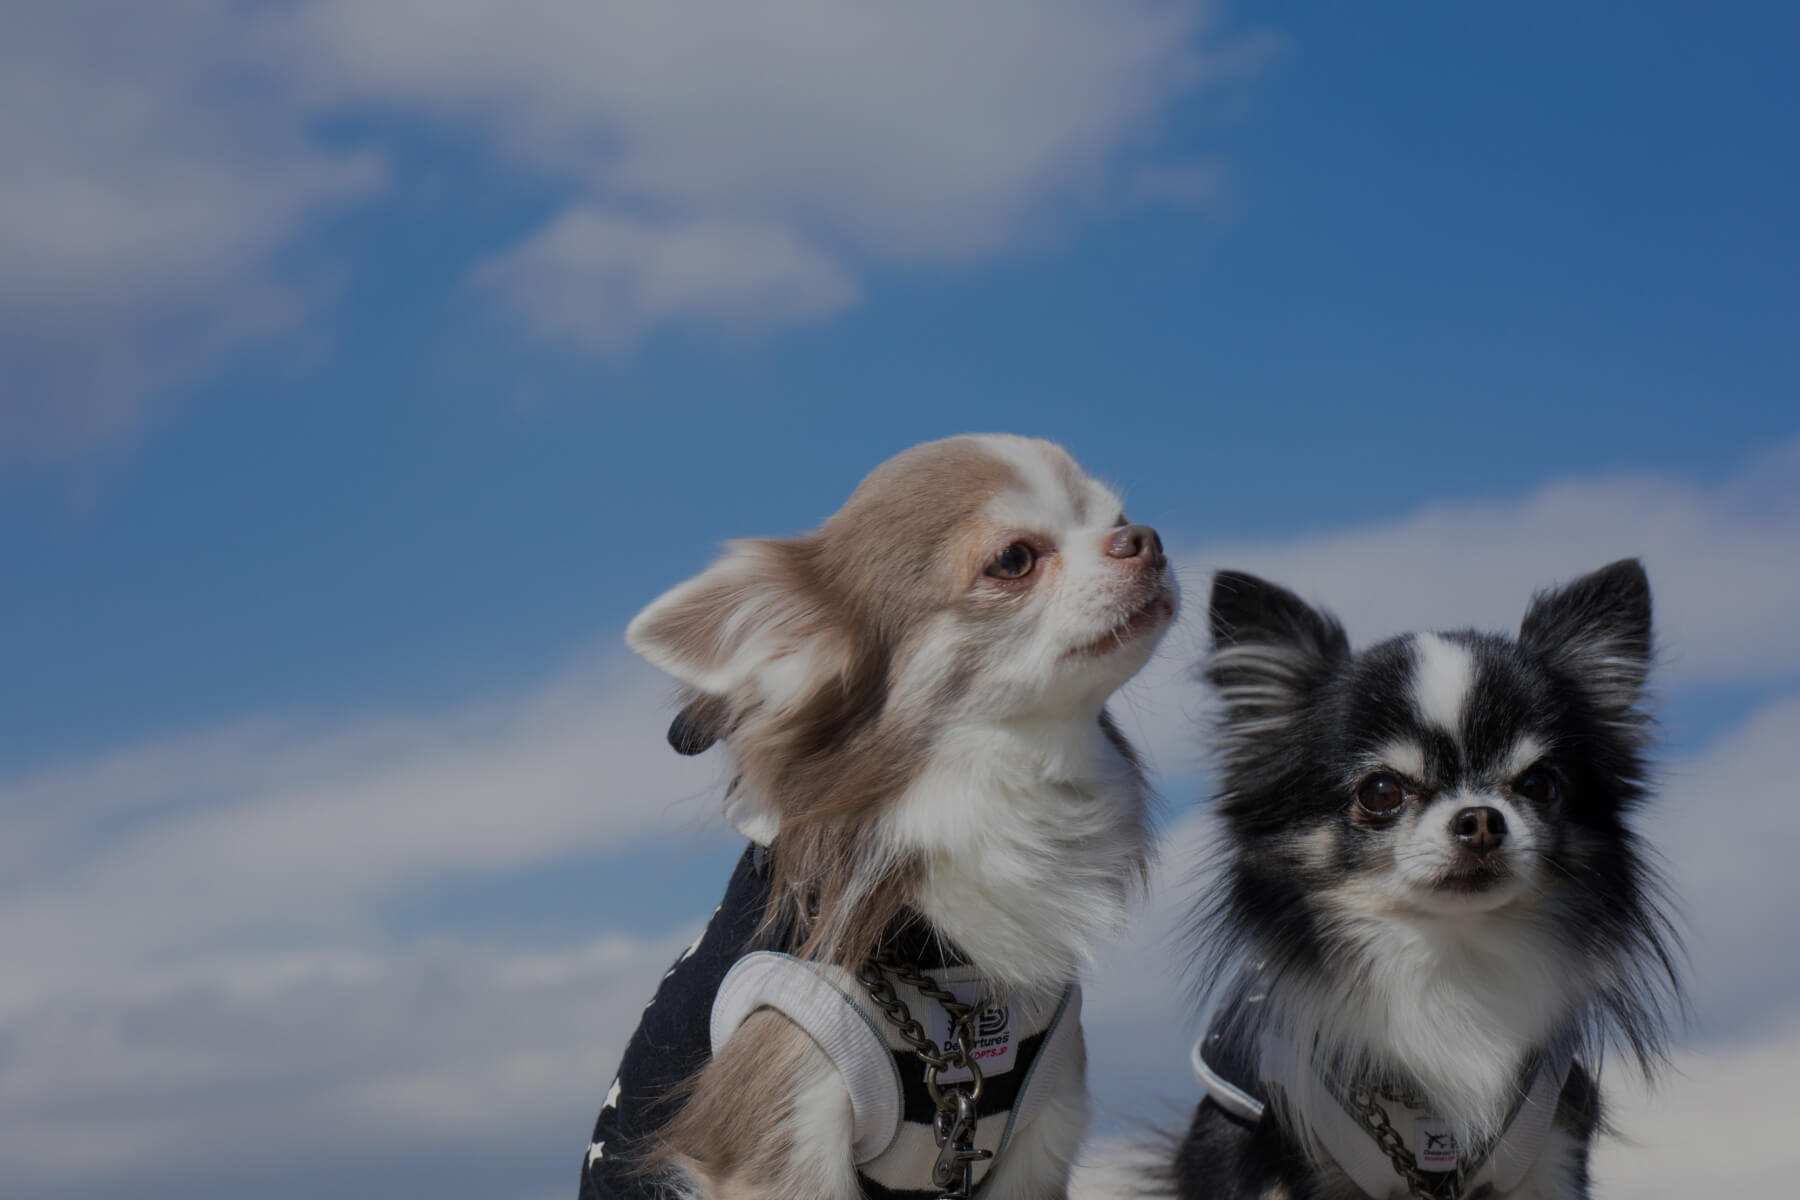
x: 1236, y: 1077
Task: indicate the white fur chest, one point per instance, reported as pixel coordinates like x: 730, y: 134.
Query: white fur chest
x: 993, y: 813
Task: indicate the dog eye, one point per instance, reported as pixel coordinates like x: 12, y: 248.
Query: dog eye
x: 1014, y: 562
x: 1536, y: 785
x: 1380, y: 795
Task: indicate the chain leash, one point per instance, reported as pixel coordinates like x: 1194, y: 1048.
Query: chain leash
x: 954, y: 1125
x: 1375, y: 1119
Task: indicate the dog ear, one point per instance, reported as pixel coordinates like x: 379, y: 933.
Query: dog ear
x: 1269, y: 648
x: 1246, y: 610
x: 748, y: 629
x: 1596, y: 632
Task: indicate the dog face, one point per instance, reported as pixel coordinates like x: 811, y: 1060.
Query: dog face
x: 1456, y: 779
x: 1021, y: 590
x: 967, y: 578
x: 1437, y: 774
x: 981, y: 577
x: 967, y: 586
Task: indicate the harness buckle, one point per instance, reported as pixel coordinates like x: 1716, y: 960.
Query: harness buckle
x: 954, y: 1128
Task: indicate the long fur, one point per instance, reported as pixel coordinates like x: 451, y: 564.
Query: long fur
x: 922, y: 739
x: 1391, y: 953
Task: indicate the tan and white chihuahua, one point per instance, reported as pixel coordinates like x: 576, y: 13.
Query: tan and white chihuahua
x: 912, y: 697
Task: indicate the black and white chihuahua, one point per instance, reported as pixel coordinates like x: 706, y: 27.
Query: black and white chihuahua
x: 1430, y: 913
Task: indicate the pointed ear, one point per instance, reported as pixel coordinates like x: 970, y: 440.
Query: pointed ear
x: 1268, y: 648
x: 750, y: 621
x: 1247, y: 610
x: 1596, y: 631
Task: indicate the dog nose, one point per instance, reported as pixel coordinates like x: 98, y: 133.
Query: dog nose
x: 1480, y: 829
x: 1136, y: 541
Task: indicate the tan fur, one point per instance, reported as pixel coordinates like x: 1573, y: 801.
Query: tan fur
x: 734, y: 1138
x: 830, y: 763
x: 883, y: 551
x: 790, y: 650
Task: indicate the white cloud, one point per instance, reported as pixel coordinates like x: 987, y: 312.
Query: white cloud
x: 194, y: 928
x: 1721, y: 558
x: 1722, y: 562
x: 199, y: 985
x: 263, y: 1065
x: 1729, y: 830
x: 1139, y: 1009
x: 1720, y: 1124
x: 909, y: 129
x: 439, y: 1051
x: 1723, y: 571
x: 266, y: 834
x: 155, y: 169
x: 742, y: 164
x: 600, y: 281
x: 723, y: 164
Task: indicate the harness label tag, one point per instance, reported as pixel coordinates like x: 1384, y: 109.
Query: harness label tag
x: 1434, y: 1145
x: 996, y: 1038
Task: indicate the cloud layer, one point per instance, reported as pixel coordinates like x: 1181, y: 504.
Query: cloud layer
x: 933, y: 130
x: 201, y: 939
x: 273, y: 1072
x: 281, y: 834
x: 711, y: 163
x: 1719, y: 1125
x: 601, y: 281
x: 1721, y: 560
x: 157, y: 165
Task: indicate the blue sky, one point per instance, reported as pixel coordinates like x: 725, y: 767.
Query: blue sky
x: 369, y: 365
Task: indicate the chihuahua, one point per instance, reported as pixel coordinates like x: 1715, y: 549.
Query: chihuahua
x: 943, y: 821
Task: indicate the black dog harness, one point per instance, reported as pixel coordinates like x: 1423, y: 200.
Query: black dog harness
x: 1022, y: 1049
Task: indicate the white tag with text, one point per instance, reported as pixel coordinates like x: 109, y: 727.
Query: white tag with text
x: 996, y: 1040
x: 1434, y: 1145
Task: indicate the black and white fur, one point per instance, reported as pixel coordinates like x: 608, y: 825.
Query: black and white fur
x: 1427, y: 867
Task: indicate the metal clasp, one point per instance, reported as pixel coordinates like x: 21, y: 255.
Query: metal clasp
x: 954, y: 1128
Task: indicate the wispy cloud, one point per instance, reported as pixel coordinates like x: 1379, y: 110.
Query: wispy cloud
x: 600, y: 281
x: 1722, y: 568
x: 156, y: 167
x: 1720, y: 1124
x: 1729, y: 831
x: 299, y: 1065
x: 281, y: 834
x: 199, y: 930
x: 723, y: 165
x: 742, y: 166
x: 1721, y: 561
x: 909, y: 130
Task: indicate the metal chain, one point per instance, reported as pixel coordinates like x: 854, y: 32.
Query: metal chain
x: 1403, y: 1093
x: 1375, y: 1118
x: 954, y: 1125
